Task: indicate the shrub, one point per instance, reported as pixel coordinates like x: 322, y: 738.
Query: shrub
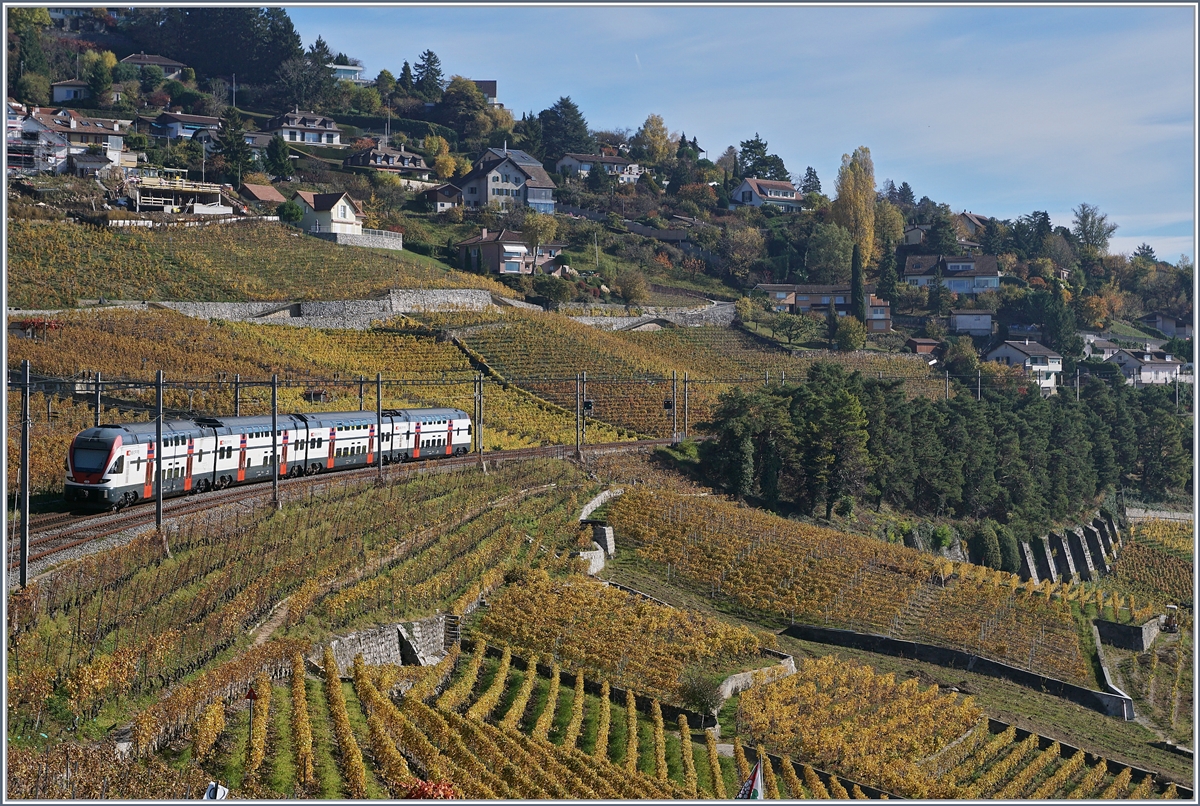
x: 289, y: 212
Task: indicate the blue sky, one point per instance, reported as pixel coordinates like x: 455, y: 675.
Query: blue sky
x: 996, y: 110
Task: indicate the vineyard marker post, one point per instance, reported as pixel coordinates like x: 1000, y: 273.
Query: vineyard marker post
x: 275, y: 441
x: 583, y: 418
x: 25, y: 472
x: 97, y: 399
x: 158, y: 454
x: 379, y: 419
x: 237, y: 395
x: 674, y: 408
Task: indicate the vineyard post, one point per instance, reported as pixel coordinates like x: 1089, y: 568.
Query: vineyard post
x: 97, y: 399
x: 583, y: 417
x: 25, y: 472
x: 578, y: 415
x: 674, y: 408
x: 361, y: 404
x: 379, y: 419
x: 237, y: 395
x: 685, y: 405
x: 158, y: 454
x: 275, y: 441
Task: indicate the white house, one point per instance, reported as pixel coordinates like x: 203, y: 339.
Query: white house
x: 965, y: 274
x: 975, y: 323
x: 171, y: 68
x: 349, y: 72
x: 1041, y: 364
x: 621, y: 169
x: 1096, y: 347
x: 70, y: 90
x: 757, y: 192
x: 176, y: 124
x: 305, y: 127
x: 1168, y: 325
x: 508, y: 177
x: 329, y: 212
x: 1146, y: 368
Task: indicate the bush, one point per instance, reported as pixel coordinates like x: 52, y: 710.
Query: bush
x: 943, y: 536
x: 699, y: 690
x: 851, y: 334
x: 289, y: 212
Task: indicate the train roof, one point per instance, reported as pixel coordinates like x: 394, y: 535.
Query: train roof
x: 147, y: 430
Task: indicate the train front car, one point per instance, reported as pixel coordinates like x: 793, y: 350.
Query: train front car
x: 98, y: 466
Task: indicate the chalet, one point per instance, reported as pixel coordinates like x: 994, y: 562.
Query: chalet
x: 504, y: 252
x: 265, y: 194
x: 974, y: 323
x: 175, y: 124
x: 171, y: 68
x: 329, y: 212
x: 966, y: 274
x: 757, y: 192
x: 508, y: 177
x: 443, y: 197
x: 816, y: 299
x: 70, y: 90
x: 1169, y: 326
x: 389, y: 160
x: 915, y: 234
x: 1041, y: 364
x: 621, y: 169
x: 1145, y: 367
x: 305, y: 127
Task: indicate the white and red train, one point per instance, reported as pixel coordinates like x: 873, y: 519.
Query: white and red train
x: 113, y: 466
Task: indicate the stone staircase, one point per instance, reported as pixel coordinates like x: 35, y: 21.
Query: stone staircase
x: 452, y: 635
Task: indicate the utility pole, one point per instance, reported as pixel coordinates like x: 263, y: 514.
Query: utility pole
x: 578, y: 417
x: 674, y: 408
x: 275, y: 441
x: 158, y: 455
x: 685, y: 405
x: 361, y: 381
x: 237, y: 395
x: 379, y: 420
x: 25, y: 425
x: 946, y: 393
x: 979, y: 384
x: 97, y: 399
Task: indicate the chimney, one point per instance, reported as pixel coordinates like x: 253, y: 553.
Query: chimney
x: 1026, y: 341
x: 483, y: 233
x: 506, y: 148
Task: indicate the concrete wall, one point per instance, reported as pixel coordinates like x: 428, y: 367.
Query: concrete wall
x: 599, y: 501
x: 1137, y: 637
x: 603, y: 536
x: 1029, y: 568
x: 743, y: 680
x: 1083, y: 560
x: 1106, y: 537
x: 595, y: 559
x: 373, y: 241
x: 1104, y: 702
x: 471, y: 299
x: 1047, y: 568
x: 1095, y: 549
x: 1063, y: 560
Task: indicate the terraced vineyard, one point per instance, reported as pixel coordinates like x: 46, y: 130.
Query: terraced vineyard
x: 786, y: 571
x: 1158, y: 562
x: 52, y: 264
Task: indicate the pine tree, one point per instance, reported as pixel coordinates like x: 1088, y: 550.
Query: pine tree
x: 886, y: 287
x: 858, y: 299
x: 429, y: 80
x: 937, y: 293
x: 231, y: 142
x: 905, y: 195
x: 811, y: 183
x: 564, y: 130
x: 278, y: 161
x: 405, y: 85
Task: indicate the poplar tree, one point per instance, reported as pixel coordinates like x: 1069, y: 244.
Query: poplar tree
x: 854, y: 208
x: 858, y: 299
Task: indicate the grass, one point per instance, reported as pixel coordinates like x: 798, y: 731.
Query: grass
x: 358, y: 723
x: 591, y: 723
x: 562, y: 714
x: 280, y: 764
x: 618, y: 738
x: 329, y: 778
x: 646, y: 760
x: 231, y: 752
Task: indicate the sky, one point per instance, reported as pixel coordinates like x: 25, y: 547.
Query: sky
x: 996, y: 110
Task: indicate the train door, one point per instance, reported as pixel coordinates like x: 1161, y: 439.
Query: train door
x: 241, y: 470
x: 449, y: 434
x: 370, y: 444
x: 187, y: 470
x: 283, y: 454
x: 416, y: 448
x: 151, y: 456
x: 332, y: 440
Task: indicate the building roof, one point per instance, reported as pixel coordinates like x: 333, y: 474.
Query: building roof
x: 325, y: 201
x: 916, y: 340
x: 70, y: 82
x: 387, y: 151
x: 813, y: 289
x: 968, y: 312
x: 514, y: 154
x: 152, y: 58
x: 535, y: 174
x: 982, y: 265
x: 500, y: 236
x: 977, y: 220
x: 448, y: 190
x: 761, y: 185
x: 1159, y: 358
x: 60, y: 121
x: 262, y: 193
x: 179, y: 117
x: 1028, y: 348
x: 488, y: 88
x: 302, y: 120
x: 1105, y: 344
x: 601, y: 158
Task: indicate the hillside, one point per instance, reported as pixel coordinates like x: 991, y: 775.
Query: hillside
x: 53, y: 264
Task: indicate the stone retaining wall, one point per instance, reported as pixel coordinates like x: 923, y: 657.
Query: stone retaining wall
x: 1137, y: 637
x: 410, y: 643
x: 372, y: 241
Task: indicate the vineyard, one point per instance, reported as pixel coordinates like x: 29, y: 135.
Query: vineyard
x: 769, y: 567
x: 1158, y: 562
x: 629, y: 641
x: 54, y: 265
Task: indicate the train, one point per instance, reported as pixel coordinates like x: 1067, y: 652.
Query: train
x: 112, y: 466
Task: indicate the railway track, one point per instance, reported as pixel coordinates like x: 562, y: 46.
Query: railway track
x: 53, y: 533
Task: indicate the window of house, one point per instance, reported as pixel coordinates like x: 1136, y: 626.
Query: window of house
x: 824, y: 300
x: 841, y: 300
x: 471, y: 190
x: 342, y: 211
x: 495, y: 178
x: 329, y: 138
x: 291, y: 135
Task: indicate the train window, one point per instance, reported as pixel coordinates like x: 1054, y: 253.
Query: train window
x: 320, y: 441
x: 118, y: 466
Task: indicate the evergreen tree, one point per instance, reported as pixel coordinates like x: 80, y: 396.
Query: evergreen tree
x: 406, y: 85
x: 428, y: 75
x: 278, y: 157
x: 598, y: 179
x: 858, y: 299
x: 905, y: 196
x: 231, y: 142
x: 937, y: 293
x: 1010, y: 552
x: 986, y: 545
x: 942, y: 238
x: 811, y: 183
x: 844, y: 449
x: 99, y: 81
x: 564, y: 130
x: 528, y: 132
x: 992, y: 242
x: 886, y: 287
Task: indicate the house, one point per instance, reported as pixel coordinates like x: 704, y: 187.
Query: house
x: 46, y: 129
x: 966, y: 274
x: 915, y: 234
x: 508, y: 177
x: 1093, y: 347
x: 70, y: 90
x: 329, y: 212
x: 504, y: 252
x: 32, y: 147
x: 816, y: 299
x: 1168, y: 325
x: 488, y: 89
x: 173, y: 125
x: 974, y: 225
x: 757, y: 192
x: 391, y: 160
x: 258, y: 142
x: 621, y: 169
x: 265, y: 194
x: 975, y: 323
x: 172, y: 69
x: 922, y: 346
x: 1041, y: 364
x: 349, y: 72
x: 443, y: 197
x: 1146, y: 368
x: 305, y: 127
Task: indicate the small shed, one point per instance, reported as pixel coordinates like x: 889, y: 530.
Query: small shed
x: 922, y: 346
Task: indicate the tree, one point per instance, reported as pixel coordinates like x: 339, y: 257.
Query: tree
x: 428, y: 75
x: 886, y: 287
x: 289, y: 212
x: 728, y: 161
x: 232, y: 145
x: 756, y: 162
x: 631, y: 285
x: 34, y: 88
x: 302, y: 85
x: 385, y: 82
x: 278, y: 157
x: 961, y: 358
x: 904, y: 196
x: 564, y: 130
x: 830, y: 250
x: 150, y: 77
x: 537, y: 229
x: 1145, y: 251
x: 553, y: 288
x: 889, y: 227
x: 99, y: 81
x: 740, y: 246
x: 844, y: 461
x: 464, y: 109
x: 406, y: 85
x: 851, y: 333
x: 942, y: 238
x: 938, y: 294
x: 858, y: 299
x: 854, y: 207
x: 1092, y: 230
x: 811, y: 183
x: 528, y: 134
x: 992, y: 240
x: 986, y: 545
x: 598, y: 179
